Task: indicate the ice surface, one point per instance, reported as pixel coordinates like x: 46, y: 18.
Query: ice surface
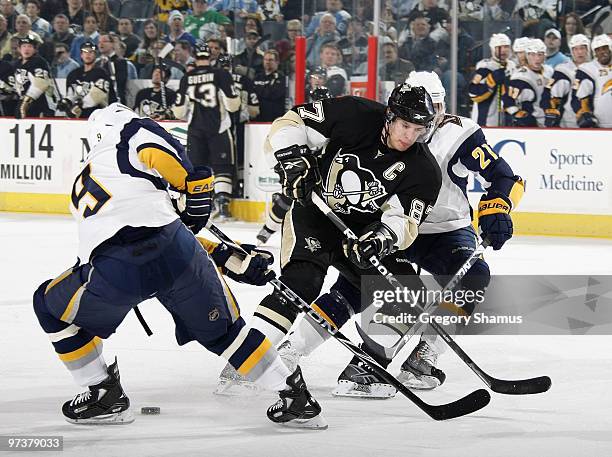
x: 573, y: 419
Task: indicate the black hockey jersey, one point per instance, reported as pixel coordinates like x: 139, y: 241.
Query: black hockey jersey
x: 149, y: 102
x: 8, y: 96
x: 205, y: 89
x: 362, y: 178
x: 35, y: 72
x: 79, y: 85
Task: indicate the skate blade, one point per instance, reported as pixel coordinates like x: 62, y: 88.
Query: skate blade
x: 420, y: 382
x: 122, y: 418
x: 315, y: 423
x: 373, y: 391
x: 229, y: 388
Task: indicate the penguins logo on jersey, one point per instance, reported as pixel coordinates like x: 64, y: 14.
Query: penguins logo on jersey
x: 350, y: 187
x: 21, y: 79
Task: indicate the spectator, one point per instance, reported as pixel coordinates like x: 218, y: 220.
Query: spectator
x: 144, y: 53
x: 23, y: 28
x: 90, y: 33
x: 270, y: 10
x: 430, y: 10
x: 602, y: 22
x: 491, y: 10
x: 201, y: 15
x: 420, y: 49
x: 325, y: 33
x: 106, y: 21
x: 241, y: 8
x: 217, y: 47
x: 177, y: 30
x: 537, y: 16
x: 270, y: 87
x: 62, y: 63
x: 75, y: 13
x: 182, y: 55
x: 354, y: 47
x: 286, y: 45
x: 468, y: 53
x: 5, y: 37
x: 51, y: 8
x: 572, y: 25
x: 334, y: 8
x: 250, y: 61
x: 176, y: 70
x: 393, y: 68
x: 61, y: 30
x: 552, y: 40
x: 7, y: 9
x: 252, y: 23
x: 165, y: 7
x: 336, y: 78
x: 39, y: 25
x: 115, y: 66
x: 121, y: 49
x: 127, y: 36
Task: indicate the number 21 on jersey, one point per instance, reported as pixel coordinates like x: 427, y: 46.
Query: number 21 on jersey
x: 86, y: 185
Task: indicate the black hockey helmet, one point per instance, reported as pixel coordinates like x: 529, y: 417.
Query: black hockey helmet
x: 165, y: 70
x: 225, y: 61
x: 202, y: 51
x: 412, y: 104
x: 321, y: 72
x: 320, y: 93
x: 28, y: 39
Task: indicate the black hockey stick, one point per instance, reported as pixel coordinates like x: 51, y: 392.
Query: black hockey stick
x: 518, y: 387
x: 466, y: 405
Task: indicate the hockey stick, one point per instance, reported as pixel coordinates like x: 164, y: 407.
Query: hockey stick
x: 515, y: 387
x: 466, y: 405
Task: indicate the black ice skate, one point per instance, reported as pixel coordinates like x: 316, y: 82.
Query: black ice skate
x: 104, y: 403
x: 357, y: 381
x: 296, y: 407
x: 221, y: 213
x: 419, y: 370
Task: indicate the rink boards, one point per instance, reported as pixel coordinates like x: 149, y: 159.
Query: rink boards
x: 568, y: 173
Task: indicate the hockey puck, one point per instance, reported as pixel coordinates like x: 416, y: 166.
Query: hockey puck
x: 150, y: 410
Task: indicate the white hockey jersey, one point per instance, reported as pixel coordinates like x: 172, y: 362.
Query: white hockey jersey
x: 525, y: 92
x: 593, y: 91
x: 123, y: 180
x: 461, y: 149
x: 559, y: 87
x: 484, y: 92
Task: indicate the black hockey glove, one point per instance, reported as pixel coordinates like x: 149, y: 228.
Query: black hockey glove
x: 552, y: 117
x: 198, y: 187
x: 299, y: 172
x: 523, y: 119
x: 378, y: 240
x: 250, y: 269
x: 587, y: 121
x: 494, y: 221
x: 496, y: 78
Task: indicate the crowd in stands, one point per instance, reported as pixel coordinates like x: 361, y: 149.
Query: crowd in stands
x: 260, y: 35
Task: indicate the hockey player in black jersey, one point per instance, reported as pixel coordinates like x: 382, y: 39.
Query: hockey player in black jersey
x: 8, y: 96
x: 376, y: 174
x: 210, y: 95
x: 156, y: 102
x: 33, y: 82
x: 87, y: 87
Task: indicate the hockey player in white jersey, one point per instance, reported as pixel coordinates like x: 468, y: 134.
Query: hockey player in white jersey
x: 446, y: 239
x: 134, y: 246
x: 491, y: 81
x: 519, y: 48
x: 522, y: 101
x: 592, y: 95
x: 557, y: 96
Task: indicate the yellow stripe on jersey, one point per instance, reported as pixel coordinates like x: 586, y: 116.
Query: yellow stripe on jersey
x: 321, y: 313
x: 68, y: 310
x: 59, y: 279
x: 516, y: 193
x: 167, y: 166
x: 82, y: 351
x: 210, y: 246
x: 255, y: 357
x: 481, y: 98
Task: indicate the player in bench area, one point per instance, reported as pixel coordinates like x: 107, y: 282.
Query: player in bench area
x: 136, y: 247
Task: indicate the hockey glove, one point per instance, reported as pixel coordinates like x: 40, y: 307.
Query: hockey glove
x: 22, y: 112
x: 253, y: 268
x: 378, y: 240
x: 494, y: 221
x: 552, y: 117
x: 523, y: 119
x: 299, y: 172
x: 199, y: 187
x: 496, y: 78
x: 587, y: 121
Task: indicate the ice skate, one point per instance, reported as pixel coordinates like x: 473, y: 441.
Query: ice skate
x: 358, y: 381
x: 103, y: 403
x: 233, y: 384
x: 296, y: 407
x: 419, y: 370
x: 264, y: 235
